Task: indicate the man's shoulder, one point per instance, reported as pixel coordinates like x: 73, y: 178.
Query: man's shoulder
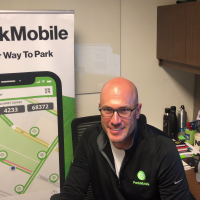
x: 162, y: 141
x: 149, y: 131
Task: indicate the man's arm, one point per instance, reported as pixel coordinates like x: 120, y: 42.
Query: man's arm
x: 78, y: 178
x: 172, y: 180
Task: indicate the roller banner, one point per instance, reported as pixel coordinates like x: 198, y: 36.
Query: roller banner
x: 37, y: 100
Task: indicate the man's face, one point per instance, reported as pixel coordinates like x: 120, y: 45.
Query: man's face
x: 118, y: 128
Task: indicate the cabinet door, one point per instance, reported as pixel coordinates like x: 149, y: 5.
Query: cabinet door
x: 171, y: 32
x: 193, y: 34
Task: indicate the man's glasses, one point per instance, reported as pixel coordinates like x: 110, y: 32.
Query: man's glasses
x: 122, y: 112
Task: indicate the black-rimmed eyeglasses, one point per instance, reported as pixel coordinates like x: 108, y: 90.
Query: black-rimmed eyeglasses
x: 122, y: 112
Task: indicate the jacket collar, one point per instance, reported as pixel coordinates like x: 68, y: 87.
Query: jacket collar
x: 102, y: 140
x: 105, y: 149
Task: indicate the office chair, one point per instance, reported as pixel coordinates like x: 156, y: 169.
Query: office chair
x: 78, y: 126
x: 55, y: 197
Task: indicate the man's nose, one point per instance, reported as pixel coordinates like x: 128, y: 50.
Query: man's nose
x: 116, y: 119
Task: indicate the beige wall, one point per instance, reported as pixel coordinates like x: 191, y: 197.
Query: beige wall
x: 135, y: 40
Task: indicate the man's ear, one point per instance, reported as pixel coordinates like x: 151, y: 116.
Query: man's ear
x: 138, y: 110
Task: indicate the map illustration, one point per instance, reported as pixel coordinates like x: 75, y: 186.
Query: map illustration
x: 29, y: 154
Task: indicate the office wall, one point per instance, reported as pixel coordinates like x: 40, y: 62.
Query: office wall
x: 133, y: 36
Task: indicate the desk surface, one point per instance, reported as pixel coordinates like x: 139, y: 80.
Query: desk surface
x: 193, y: 184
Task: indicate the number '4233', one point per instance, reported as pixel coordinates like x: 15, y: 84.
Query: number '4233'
x: 11, y: 110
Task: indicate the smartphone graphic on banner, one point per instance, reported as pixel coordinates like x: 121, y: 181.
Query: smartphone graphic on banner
x: 31, y: 123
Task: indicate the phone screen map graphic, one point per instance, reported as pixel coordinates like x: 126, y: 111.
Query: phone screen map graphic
x: 29, y: 160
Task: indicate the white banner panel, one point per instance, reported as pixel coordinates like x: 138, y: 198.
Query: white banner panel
x: 41, y: 41
x: 31, y: 103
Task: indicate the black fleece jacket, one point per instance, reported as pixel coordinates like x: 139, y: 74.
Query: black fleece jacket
x: 151, y: 169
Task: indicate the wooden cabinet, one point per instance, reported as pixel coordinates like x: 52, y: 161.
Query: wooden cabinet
x: 178, y: 36
x: 193, y: 34
x: 171, y: 33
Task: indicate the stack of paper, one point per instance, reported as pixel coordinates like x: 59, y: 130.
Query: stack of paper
x: 192, y: 149
x: 181, y: 146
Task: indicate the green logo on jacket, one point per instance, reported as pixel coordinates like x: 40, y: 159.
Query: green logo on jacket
x: 141, y: 175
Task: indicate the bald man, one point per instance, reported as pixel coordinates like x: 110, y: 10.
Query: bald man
x: 124, y: 158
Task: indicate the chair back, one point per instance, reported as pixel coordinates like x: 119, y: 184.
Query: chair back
x: 79, y: 125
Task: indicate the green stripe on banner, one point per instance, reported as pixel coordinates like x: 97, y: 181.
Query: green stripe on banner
x: 16, y: 167
x: 28, y: 100
x: 23, y: 170
x: 34, y: 174
x: 52, y: 112
x: 6, y: 120
x: 68, y: 116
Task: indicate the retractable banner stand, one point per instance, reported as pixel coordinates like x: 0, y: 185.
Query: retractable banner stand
x: 37, y: 100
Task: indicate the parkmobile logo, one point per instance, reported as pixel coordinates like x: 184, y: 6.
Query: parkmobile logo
x: 41, y: 34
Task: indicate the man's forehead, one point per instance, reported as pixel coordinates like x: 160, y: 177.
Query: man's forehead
x: 119, y: 88
x: 118, y: 92
x: 117, y: 100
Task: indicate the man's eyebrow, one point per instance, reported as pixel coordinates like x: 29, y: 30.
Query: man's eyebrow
x: 107, y: 107
x: 126, y: 107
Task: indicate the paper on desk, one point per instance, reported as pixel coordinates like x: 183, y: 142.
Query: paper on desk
x: 194, y: 150
x: 186, y: 166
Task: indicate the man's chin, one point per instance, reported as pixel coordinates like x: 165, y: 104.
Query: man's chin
x: 115, y: 139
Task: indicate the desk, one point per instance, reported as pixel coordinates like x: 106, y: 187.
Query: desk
x: 193, y: 184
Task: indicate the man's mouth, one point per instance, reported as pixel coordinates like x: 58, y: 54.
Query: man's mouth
x: 116, y: 129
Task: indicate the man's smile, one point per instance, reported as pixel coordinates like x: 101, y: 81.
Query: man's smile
x: 116, y: 129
